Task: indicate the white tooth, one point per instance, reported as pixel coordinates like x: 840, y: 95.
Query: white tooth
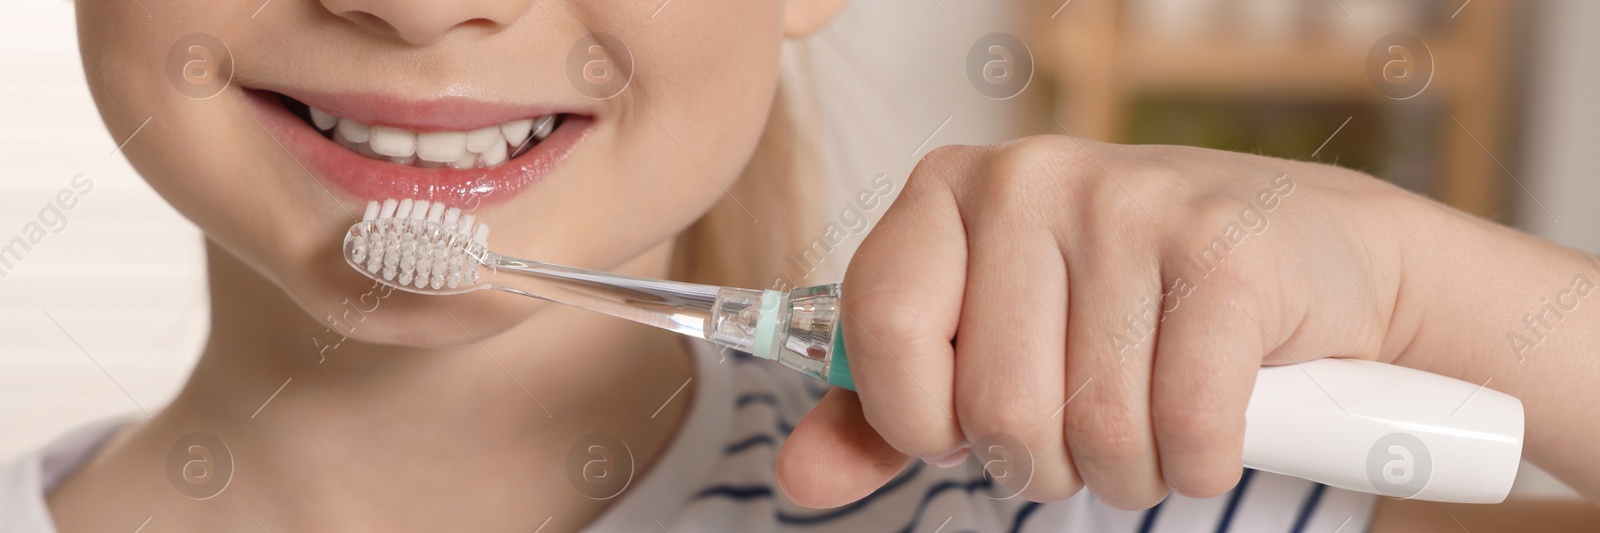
x: 468, y: 160
x: 355, y: 131
x: 366, y: 150
x: 441, y: 146
x: 481, y: 140
x: 496, y: 155
x: 517, y: 131
x: 392, y: 142
x: 404, y: 160
x: 323, y: 120
x: 481, y: 236
x: 546, y: 125
x: 347, y: 143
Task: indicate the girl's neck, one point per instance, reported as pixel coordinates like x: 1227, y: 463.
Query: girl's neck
x: 421, y: 434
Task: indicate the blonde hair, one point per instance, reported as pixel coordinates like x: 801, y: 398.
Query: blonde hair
x: 780, y: 188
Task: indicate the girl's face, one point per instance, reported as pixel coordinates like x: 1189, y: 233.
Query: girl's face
x: 584, y: 133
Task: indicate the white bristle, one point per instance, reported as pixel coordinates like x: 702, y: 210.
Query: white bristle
x: 412, y: 243
x: 375, y: 252
x: 481, y: 236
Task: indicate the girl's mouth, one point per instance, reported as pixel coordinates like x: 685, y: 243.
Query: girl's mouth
x: 461, y: 152
x: 480, y: 148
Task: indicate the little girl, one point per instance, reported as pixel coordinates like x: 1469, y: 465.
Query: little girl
x: 656, y: 140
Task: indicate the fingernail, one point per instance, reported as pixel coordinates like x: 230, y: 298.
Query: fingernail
x: 951, y: 459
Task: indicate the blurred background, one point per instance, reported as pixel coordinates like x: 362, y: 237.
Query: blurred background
x: 1487, y: 105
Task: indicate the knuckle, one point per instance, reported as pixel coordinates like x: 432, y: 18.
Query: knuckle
x: 1200, y: 449
x: 1010, y: 420
x: 946, y: 155
x: 936, y: 173
x: 939, y: 164
x: 996, y: 425
x: 1032, y: 172
x: 913, y: 432
x: 1041, y: 155
x: 1133, y: 189
x: 1200, y: 429
x: 991, y: 414
x: 1214, y: 211
x: 1104, y: 435
x: 881, y: 319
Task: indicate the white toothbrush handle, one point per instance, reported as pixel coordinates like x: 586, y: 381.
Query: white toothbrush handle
x: 1384, y: 429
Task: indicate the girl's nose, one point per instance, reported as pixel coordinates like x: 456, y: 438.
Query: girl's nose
x: 422, y: 22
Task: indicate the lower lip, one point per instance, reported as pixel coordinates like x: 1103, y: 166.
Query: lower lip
x: 371, y: 179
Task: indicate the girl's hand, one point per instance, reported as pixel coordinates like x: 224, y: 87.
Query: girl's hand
x: 1105, y: 308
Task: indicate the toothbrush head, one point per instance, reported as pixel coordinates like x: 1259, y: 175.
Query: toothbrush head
x: 419, y: 247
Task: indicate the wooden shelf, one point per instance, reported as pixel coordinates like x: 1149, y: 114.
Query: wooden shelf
x: 1100, y: 69
x: 1243, y: 70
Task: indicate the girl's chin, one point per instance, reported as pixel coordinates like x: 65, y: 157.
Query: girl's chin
x: 376, y: 314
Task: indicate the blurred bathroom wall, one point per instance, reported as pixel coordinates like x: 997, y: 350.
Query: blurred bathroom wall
x: 1563, y: 127
x: 104, y: 315
x: 889, y: 78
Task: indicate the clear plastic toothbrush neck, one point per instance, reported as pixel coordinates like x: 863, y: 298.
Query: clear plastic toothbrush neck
x: 798, y: 328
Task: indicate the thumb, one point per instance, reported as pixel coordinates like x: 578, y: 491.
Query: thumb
x: 834, y: 457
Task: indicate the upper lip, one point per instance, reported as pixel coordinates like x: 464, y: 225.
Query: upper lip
x: 443, y: 113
